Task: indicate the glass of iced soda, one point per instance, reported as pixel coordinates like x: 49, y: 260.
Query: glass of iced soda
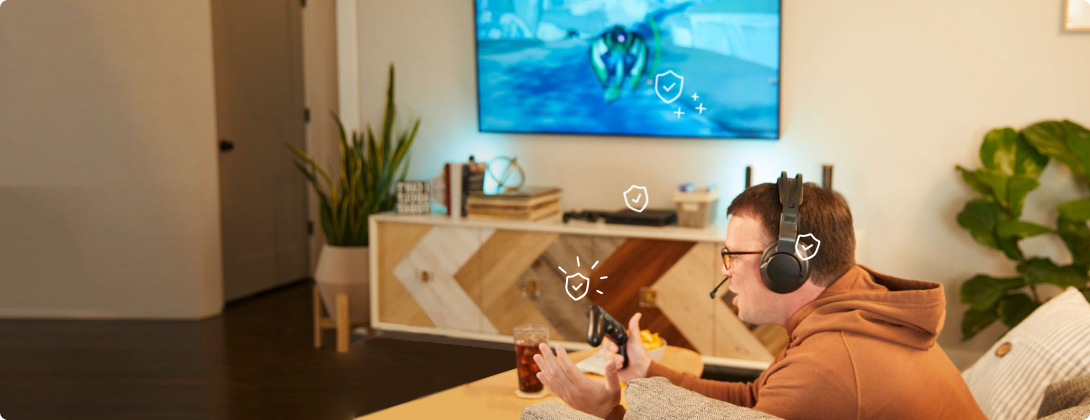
x: 527, y: 339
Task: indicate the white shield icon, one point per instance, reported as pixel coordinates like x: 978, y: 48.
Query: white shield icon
x: 635, y: 197
x: 668, y: 86
x: 805, y: 251
x: 581, y: 284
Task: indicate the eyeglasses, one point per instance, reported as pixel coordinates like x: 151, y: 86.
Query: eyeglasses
x: 728, y: 256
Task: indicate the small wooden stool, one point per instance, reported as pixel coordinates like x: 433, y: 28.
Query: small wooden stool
x: 339, y: 323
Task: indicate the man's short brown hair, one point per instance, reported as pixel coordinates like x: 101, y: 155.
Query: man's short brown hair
x: 823, y: 213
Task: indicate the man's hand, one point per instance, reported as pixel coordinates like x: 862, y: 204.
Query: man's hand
x: 596, y: 398
x: 638, y: 360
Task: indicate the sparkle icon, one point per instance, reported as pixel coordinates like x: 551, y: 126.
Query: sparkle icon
x: 679, y: 113
x: 701, y: 108
x: 576, y: 285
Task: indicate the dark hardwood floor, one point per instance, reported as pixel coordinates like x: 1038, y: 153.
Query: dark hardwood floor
x: 256, y: 360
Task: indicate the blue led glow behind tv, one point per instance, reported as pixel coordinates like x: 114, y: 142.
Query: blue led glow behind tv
x: 696, y: 68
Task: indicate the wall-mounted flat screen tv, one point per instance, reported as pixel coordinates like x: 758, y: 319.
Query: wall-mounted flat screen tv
x: 672, y: 68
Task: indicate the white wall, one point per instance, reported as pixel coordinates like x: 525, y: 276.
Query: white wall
x: 109, y: 204
x: 894, y: 94
x: 321, y: 85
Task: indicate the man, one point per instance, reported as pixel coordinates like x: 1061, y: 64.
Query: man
x: 862, y: 344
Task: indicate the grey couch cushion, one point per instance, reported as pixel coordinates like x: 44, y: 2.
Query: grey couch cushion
x: 1068, y: 399
x: 554, y: 410
x: 657, y: 398
x: 1081, y: 412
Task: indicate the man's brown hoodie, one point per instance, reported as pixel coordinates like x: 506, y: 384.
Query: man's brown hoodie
x: 864, y: 349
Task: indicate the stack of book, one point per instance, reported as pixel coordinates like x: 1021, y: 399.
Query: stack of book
x: 527, y: 203
x: 459, y: 180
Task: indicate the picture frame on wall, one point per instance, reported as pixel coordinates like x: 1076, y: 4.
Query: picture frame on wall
x: 1077, y: 15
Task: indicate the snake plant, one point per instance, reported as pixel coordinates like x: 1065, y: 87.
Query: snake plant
x: 370, y: 167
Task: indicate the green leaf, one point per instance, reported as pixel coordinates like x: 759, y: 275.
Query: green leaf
x: 1043, y: 270
x: 1010, y: 248
x: 1018, y: 187
x: 980, y: 217
x: 975, y: 321
x: 1065, y: 141
x: 1019, y: 229
x: 1080, y: 147
x: 997, y: 182
x: 983, y: 292
x: 388, y: 119
x: 1009, y: 191
x: 975, y: 183
x: 1006, y: 151
x: 1078, y: 210
x: 1076, y: 235
x: 1014, y: 308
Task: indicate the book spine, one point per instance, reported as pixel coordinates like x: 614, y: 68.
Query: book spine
x: 456, y: 209
x: 446, y: 190
x: 520, y: 202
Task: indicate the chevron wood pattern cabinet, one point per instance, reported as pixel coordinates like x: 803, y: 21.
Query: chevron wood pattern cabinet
x: 480, y: 279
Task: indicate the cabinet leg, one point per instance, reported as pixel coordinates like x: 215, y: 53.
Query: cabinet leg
x: 343, y: 329
x: 317, y: 318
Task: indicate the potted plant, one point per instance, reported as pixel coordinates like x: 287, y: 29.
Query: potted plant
x: 370, y: 167
x: 1012, y: 162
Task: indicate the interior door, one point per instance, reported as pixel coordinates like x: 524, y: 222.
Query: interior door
x: 259, y: 106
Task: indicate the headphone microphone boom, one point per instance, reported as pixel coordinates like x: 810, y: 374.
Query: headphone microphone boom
x: 716, y: 289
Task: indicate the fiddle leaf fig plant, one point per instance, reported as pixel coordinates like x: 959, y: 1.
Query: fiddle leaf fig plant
x: 1011, y: 162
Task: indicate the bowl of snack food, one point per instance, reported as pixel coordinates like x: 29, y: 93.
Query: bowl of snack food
x: 656, y: 346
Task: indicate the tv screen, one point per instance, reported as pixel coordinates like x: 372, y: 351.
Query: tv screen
x: 696, y: 68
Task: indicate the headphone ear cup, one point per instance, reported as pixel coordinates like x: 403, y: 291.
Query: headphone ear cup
x: 781, y: 272
x: 805, y: 271
x: 765, y: 258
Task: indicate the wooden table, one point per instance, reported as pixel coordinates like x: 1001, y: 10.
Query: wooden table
x: 494, y: 397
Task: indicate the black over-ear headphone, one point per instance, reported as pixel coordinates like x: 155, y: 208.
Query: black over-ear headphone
x: 782, y: 269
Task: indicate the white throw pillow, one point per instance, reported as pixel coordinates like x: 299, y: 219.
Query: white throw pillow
x: 1052, y: 344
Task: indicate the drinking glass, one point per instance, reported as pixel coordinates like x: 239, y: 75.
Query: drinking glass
x: 527, y: 339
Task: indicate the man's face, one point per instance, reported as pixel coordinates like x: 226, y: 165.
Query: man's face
x: 756, y: 304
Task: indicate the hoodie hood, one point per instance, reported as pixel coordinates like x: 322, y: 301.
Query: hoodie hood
x: 906, y: 312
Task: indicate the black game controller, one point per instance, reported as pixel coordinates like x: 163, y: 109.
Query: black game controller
x: 601, y: 324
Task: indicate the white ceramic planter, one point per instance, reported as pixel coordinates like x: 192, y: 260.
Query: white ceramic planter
x: 345, y: 270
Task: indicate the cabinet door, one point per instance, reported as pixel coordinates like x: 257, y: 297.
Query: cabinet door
x: 663, y: 280
x: 508, y: 257
x: 426, y: 276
